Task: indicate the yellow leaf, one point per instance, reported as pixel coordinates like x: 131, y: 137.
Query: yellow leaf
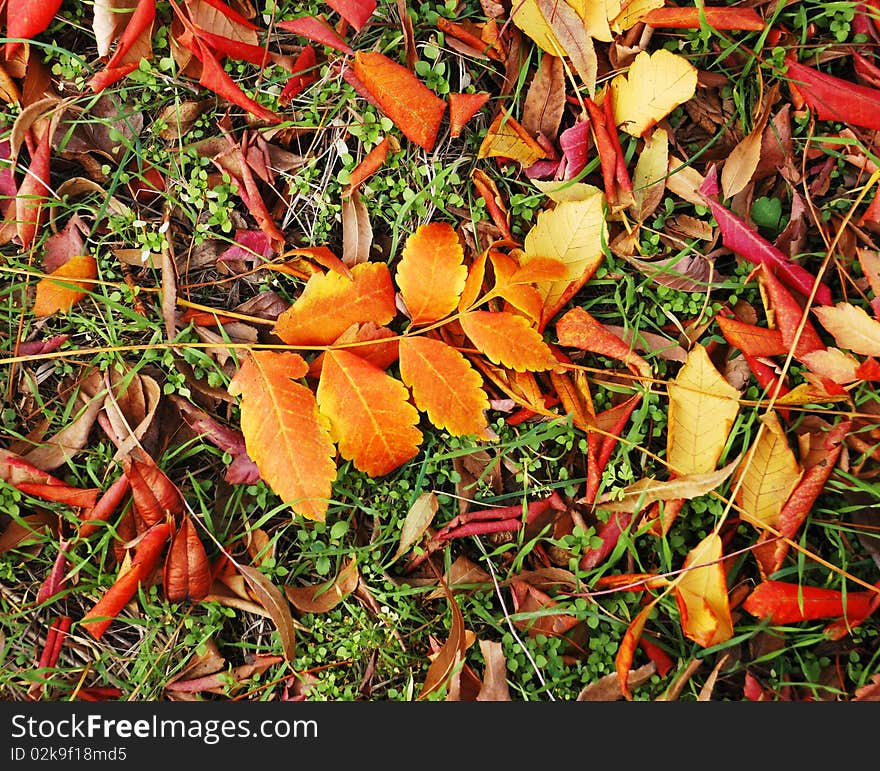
x: 851, y: 327
x: 331, y: 303
x: 649, y: 178
x: 558, y: 29
x: 284, y: 433
x: 370, y: 416
x: 444, y: 385
x: 632, y: 12
x: 573, y: 233
x: 65, y: 286
x: 558, y: 192
x: 702, y: 408
x: 701, y: 595
x: 431, y: 272
x: 656, y: 84
x: 768, y: 475
x: 837, y: 366
x: 596, y: 15
x: 509, y: 340
x: 506, y: 138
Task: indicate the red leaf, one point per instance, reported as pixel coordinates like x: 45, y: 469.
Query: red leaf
x: 740, y: 238
x: 746, y: 19
x: 26, y: 19
x: 187, y: 570
x: 788, y: 603
x: 463, y: 107
x: 54, y: 582
x: 752, y: 339
x: 788, y: 315
x: 60, y: 493
x: 32, y: 194
x: 140, y: 24
x: 303, y: 76
x: 834, y: 98
x: 355, y: 12
x: 318, y: 31
x: 155, y: 496
x: 105, y: 506
x: 146, y: 557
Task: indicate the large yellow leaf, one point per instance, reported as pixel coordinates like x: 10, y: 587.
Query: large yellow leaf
x: 769, y: 473
x: 572, y: 233
x: 431, y: 272
x: 851, y: 327
x: 701, y: 595
x: 656, y: 84
x: 331, y: 303
x: 596, y: 15
x: 509, y: 340
x: 410, y: 104
x: 65, y: 286
x: 558, y: 29
x: 370, y: 416
x: 702, y: 408
x: 284, y: 433
x: 444, y: 385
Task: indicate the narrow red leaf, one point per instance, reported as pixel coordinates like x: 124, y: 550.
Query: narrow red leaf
x: 750, y: 338
x: 60, y: 493
x: 146, y: 557
x: 54, y: 582
x: 318, y: 31
x: 30, y: 202
x: 788, y: 315
x: 139, y: 24
x: 303, y: 76
x: 155, y: 496
x: 723, y: 18
x: 104, y: 507
x: 836, y: 99
x: 787, y: 603
x: 737, y: 236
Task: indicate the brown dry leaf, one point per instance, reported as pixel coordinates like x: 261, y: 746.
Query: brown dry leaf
x: 649, y: 178
x: 178, y: 119
x: 544, y: 104
x: 461, y: 572
x: 58, y: 449
x: 607, y: 688
x: 742, y: 163
x: 450, y: 654
x: 323, y: 597
x: 357, y: 232
x: 272, y: 599
x: 494, y: 686
x: 685, y: 181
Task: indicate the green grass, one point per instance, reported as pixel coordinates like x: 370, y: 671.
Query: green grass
x: 374, y: 644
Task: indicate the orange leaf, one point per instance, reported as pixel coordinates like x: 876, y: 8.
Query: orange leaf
x: 508, y: 340
x: 415, y: 109
x: 579, y: 329
x: 331, y: 303
x: 752, y: 339
x: 321, y: 598
x: 506, y: 138
x: 788, y: 315
x: 463, y: 107
x: 155, y: 496
x: 285, y: 434
x: 371, y: 163
x: 370, y: 415
x: 444, y: 385
x: 65, y: 286
x: 851, y: 327
x: 701, y: 595
x: 627, y: 649
x: 431, y: 274
x: 788, y: 603
x: 187, y: 570
x: 717, y: 17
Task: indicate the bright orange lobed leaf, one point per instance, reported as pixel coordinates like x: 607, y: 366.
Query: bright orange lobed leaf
x: 410, y: 104
x: 702, y: 408
x: 788, y: 603
x: 444, y: 385
x: 331, y: 303
x: 463, y: 107
x: 285, y: 434
x: 187, y: 574
x: 431, y: 273
x: 370, y: 416
x: 65, y: 286
x: 508, y: 340
x: 701, y: 594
